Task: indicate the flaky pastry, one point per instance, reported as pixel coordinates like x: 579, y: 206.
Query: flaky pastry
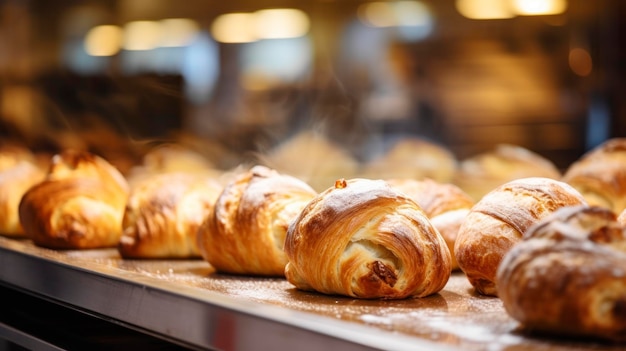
x: 163, y: 214
x: 245, y: 232
x: 79, y: 205
x: 364, y: 239
x: 497, y: 222
x: 568, y: 275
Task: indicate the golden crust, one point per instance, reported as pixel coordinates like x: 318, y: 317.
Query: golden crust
x: 568, y: 275
x: 163, y: 214
x: 364, y: 239
x: 600, y: 175
x: 245, y: 232
x: 446, y: 205
x: 78, y: 206
x: 498, y: 221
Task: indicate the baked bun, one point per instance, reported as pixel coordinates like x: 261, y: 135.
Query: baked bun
x: 498, y: 221
x: 79, y: 205
x: 600, y: 175
x: 413, y: 158
x: 445, y: 204
x: 364, y: 239
x: 568, y: 275
x: 481, y: 173
x: 245, y: 232
x: 163, y: 214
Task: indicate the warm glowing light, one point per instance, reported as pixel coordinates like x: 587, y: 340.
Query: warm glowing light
x: 103, y: 40
x: 485, y: 9
x: 377, y: 14
x: 142, y: 35
x: 177, y: 32
x: 280, y: 23
x: 539, y: 7
x: 234, y: 28
x: 392, y: 14
x: 580, y: 62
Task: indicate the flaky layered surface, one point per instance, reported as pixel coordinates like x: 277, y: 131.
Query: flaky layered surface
x: 497, y: 222
x: 364, y: 239
x: 568, y: 275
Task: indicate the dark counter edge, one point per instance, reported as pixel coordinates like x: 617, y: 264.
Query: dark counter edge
x: 193, y: 317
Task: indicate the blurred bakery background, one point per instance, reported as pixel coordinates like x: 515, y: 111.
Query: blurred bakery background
x: 239, y: 79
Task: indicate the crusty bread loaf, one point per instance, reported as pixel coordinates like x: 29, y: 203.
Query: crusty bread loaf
x: 445, y: 204
x: 163, y: 214
x: 245, y: 232
x: 600, y: 175
x: 497, y: 222
x: 79, y: 205
x: 568, y: 275
x: 483, y: 172
x: 364, y: 239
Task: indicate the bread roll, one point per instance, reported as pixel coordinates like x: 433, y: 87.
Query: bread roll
x: 481, y: 173
x: 413, y: 158
x: 568, y: 275
x: 445, y: 204
x: 79, y: 205
x: 364, y: 239
x: 497, y: 222
x: 246, y: 231
x: 163, y: 214
x: 600, y: 175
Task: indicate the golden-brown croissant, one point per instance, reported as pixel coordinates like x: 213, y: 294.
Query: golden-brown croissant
x: 497, y: 222
x: 364, y: 239
x: 568, y: 275
x: 600, y: 175
x: 445, y: 204
x: 79, y: 205
x: 245, y: 232
x: 163, y: 214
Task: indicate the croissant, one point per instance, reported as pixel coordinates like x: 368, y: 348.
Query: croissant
x: 163, y: 214
x: 600, y: 175
x: 445, y: 204
x: 568, y: 275
x: 245, y: 232
x: 497, y: 222
x: 364, y: 239
x: 79, y: 205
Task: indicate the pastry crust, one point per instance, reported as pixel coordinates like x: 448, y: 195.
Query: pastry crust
x: 163, y: 214
x: 600, y: 175
x: 79, y: 205
x: 245, y: 232
x: 364, y: 239
x: 497, y: 222
x: 568, y: 275
x: 445, y: 204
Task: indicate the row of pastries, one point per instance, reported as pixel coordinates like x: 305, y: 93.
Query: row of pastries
x: 384, y: 229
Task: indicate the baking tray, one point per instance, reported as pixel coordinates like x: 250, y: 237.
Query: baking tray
x: 187, y: 302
